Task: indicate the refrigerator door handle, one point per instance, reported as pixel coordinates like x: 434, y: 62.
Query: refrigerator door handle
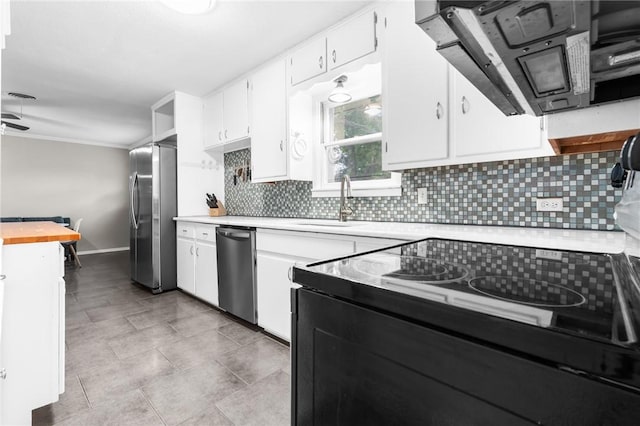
x: 133, y: 187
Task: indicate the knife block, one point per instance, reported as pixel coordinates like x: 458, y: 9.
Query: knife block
x: 220, y: 211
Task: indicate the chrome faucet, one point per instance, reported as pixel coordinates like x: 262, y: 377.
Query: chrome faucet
x: 345, y: 209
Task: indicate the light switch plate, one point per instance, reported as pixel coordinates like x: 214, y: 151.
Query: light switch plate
x: 549, y: 204
x: 422, y: 195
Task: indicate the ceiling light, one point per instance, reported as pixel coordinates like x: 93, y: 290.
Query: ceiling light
x: 339, y: 94
x: 190, y: 7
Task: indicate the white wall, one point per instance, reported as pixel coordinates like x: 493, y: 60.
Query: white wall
x: 50, y: 178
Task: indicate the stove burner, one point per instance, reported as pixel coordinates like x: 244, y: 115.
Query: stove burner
x: 431, y: 271
x: 526, y: 291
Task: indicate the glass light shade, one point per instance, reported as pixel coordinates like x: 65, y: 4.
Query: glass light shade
x: 190, y: 7
x: 339, y: 95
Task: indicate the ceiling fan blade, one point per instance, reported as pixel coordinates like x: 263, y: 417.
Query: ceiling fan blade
x: 14, y: 126
x: 10, y: 116
x: 21, y: 95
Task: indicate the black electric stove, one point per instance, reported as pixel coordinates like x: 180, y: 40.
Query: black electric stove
x: 571, y: 311
x: 577, y: 293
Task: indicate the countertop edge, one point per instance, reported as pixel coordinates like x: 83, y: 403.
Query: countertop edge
x: 552, y: 238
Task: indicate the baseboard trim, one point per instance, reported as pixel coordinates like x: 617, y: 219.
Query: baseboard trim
x: 109, y: 250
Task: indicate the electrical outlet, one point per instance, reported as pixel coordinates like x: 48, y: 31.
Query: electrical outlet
x: 549, y: 204
x: 422, y: 195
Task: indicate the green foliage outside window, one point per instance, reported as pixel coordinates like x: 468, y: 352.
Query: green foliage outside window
x: 360, y: 161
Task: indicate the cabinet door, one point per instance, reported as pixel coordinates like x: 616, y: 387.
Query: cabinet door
x: 185, y: 252
x: 206, y: 272
x: 481, y: 129
x: 236, y: 111
x: 274, y: 299
x: 353, y: 40
x: 414, y: 93
x: 212, y: 117
x: 308, y: 61
x: 268, y: 136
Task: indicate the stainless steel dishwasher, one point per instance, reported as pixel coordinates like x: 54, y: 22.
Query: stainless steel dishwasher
x: 236, y: 249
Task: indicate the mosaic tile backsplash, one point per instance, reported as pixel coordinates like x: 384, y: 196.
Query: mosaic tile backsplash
x: 498, y: 193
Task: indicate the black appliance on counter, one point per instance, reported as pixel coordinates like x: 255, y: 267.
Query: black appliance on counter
x: 540, y: 56
x: 444, y: 332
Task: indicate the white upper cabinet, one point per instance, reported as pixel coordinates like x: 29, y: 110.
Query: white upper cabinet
x: 280, y: 142
x: 213, y: 123
x: 269, y: 123
x: 414, y: 93
x: 309, y: 61
x: 481, y: 132
x: 236, y: 111
x: 226, y: 115
x: 352, y: 40
x: 341, y: 45
x: 174, y: 114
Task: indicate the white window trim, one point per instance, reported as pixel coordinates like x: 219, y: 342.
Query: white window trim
x: 391, y: 187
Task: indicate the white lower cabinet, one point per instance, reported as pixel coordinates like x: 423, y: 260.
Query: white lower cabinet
x: 32, y: 351
x: 274, y: 292
x: 206, y: 272
x: 278, y: 252
x: 185, y: 271
x: 196, y: 258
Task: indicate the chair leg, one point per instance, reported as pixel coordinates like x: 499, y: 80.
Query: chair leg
x: 75, y: 256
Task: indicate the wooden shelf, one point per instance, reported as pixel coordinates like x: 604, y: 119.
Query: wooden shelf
x: 608, y: 141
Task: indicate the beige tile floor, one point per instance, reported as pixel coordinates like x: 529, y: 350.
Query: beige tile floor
x: 138, y: 359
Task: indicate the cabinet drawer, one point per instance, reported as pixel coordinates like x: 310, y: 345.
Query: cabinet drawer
x: 309, y: 247
x: 206, y: 233
x: 185, y: 230
x: 367, y: 244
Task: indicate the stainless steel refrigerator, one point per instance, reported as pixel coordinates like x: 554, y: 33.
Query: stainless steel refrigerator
x: 153, y: 204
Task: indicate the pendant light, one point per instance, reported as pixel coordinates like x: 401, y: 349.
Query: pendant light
x: 339, y: 94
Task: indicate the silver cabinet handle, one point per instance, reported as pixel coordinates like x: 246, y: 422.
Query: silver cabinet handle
x: 184, y: 230
x: 320, y: 62
x: 225, y: 133
x: 205, y: 233
x: 465, y: 105
x: 3, y: 373
x: 2, y: 277
x: 333, y: 55
x: 198, y: 251
x: 290, y: 273
x: 220, y: 135
x: 191, y: 250
x: 281, y: 146
x: 439, y: 112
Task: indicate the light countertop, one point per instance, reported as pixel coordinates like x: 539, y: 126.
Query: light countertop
x: 35, y: 232
x: 565, y: 239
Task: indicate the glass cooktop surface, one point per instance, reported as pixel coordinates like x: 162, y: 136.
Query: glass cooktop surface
x: 576, y: 292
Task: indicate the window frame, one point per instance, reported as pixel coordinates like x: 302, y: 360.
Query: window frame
x: 360, y: 188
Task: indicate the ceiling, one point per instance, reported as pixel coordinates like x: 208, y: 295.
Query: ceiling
x: 96, y: 67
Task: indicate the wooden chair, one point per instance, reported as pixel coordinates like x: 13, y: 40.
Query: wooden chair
x: 71, y: 245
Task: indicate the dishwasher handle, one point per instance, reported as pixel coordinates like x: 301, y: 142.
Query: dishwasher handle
x: 242, y: 235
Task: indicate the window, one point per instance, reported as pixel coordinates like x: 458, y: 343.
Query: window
x: 348, y: 137
x: 354, y: 146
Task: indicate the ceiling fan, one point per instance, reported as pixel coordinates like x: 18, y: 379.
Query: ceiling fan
x: 12, y: 116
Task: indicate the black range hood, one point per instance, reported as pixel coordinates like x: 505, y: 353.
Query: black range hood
x: 540, y: 57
